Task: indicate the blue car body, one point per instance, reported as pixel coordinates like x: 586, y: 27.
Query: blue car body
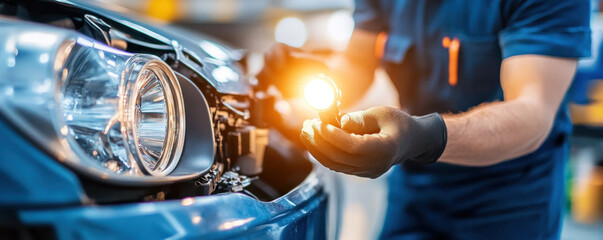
x: 40, y: 197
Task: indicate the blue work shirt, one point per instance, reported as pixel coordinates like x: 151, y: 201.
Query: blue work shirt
x: 417, y: 56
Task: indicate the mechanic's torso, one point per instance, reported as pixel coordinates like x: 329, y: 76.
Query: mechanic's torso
x: 417, y: 58
x: 419, y: 62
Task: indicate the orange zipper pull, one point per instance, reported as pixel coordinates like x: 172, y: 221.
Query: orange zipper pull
x: 454, y: 47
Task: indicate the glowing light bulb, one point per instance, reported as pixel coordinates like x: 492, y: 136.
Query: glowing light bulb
x: 322, y: 94
x: 319, y: 94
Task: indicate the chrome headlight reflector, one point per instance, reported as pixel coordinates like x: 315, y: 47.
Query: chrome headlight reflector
x: 155, y: 115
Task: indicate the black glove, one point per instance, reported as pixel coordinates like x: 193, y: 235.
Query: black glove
x: 370, y: 142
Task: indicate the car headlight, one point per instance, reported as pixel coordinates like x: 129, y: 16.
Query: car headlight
x: 122, y: 111
x: 95, y: 108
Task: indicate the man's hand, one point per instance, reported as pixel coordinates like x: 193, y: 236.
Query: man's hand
x: 287, y: 67
x: 370, y: 142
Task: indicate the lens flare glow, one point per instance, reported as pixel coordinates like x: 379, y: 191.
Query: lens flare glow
x: 341, y: 26
x: 291, y: 31
x: 319, y: 94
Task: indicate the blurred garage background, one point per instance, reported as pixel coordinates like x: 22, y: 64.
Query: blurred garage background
x: 255, y: 25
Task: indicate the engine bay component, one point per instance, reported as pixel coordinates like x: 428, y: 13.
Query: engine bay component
x: 232, y: 181
x: 246, y: 149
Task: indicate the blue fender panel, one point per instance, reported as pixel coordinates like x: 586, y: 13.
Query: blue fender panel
x: 30, y: 178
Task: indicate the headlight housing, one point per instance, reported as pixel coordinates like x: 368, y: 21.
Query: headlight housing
x: 111, y: 114
x: 122, y: 111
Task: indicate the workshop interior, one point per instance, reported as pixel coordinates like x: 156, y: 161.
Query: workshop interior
x: 144, y: 119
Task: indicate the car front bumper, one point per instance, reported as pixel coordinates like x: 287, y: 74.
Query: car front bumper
x: 300, y: 214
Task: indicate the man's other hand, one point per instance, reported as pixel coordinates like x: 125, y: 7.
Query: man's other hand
x: 287, y: 68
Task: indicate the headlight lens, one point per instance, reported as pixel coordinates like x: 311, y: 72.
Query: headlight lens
x: 122, y: 111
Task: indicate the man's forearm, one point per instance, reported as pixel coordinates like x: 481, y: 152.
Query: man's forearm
x: 495, y: 132
x: 533, y: 88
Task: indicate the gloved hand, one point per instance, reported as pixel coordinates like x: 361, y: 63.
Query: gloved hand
x: 370, y: 142
x: 287, y: 68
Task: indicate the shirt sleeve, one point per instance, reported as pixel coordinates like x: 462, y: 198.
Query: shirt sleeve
x: 367, y: 16
x: 558, y: 28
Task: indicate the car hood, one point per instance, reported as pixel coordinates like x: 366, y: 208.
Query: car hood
x: 215, y: 62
